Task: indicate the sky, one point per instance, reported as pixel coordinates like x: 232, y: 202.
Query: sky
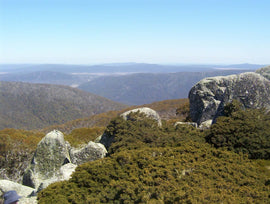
x: 143, y: 31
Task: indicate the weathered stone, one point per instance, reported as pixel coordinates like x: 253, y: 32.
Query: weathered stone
x: 208, y: 97
x: 24, y: 191
x: 52, y: 152
x: 265, y: 71
x: 206, y: 124
x: 54, y: 160
x: 66, y: 171
x: 147, y: 111
x: 90, y: 152
x: 186, y: 123
x: 6, y: 185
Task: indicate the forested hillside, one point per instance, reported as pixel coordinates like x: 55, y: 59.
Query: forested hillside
x: 33, y: 106
x: 143, y: 88
x: 167, y: 110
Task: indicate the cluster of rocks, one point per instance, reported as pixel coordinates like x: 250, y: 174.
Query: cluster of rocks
x: 54, y: 160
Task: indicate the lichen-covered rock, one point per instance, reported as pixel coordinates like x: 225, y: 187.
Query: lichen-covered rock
x: 265, y: 71
x: 51, y: 154
x: 90, y: 152
x: 208, y: 97
x: 147, y: 111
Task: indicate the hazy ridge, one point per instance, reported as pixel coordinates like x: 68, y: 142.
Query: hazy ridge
x: 32, y: 106
x: 143, y: 88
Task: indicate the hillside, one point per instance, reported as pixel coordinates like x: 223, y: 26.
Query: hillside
x: 166, y: 109
x: 19, y: 145
x: 33, y: 106
x: 147, y: 163
x: 143, y: 88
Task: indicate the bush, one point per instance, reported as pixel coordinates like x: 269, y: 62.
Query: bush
x: 140, y: 131
x: 246, y: 131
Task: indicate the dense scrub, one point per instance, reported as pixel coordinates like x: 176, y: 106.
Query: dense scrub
x: 151, y: 164
x: 81, y: 136
x: 190, y: 173
x: 138, y: 132
x: 16, y: 149
x: 246, y: 131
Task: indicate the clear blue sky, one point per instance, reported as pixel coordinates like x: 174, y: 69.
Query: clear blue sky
x: 151, y: 31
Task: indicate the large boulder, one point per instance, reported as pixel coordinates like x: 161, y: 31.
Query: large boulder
x: 51, y: 154
x: 55, y: 160
x: 208, y: 97
x: 150, y: 113
x: 90, y: 152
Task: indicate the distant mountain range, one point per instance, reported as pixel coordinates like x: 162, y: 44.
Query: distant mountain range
x: 119, y: 68
x: 32, y: 106
x: 129, y: 83
x: 137, y: 89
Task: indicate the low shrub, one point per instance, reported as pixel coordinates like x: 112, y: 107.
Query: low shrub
x: 246, y: 131
x: 190, y: 173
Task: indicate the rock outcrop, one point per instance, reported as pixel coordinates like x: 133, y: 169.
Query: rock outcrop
x: 55, y: 160
x: 208, y: 97
x: 52, y: 152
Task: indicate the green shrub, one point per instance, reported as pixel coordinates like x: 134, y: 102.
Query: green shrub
x: 140, y: 131
x: 83, y: 135
x: 246, y: 131
x: 190, y: 173
x: 168, y: 164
